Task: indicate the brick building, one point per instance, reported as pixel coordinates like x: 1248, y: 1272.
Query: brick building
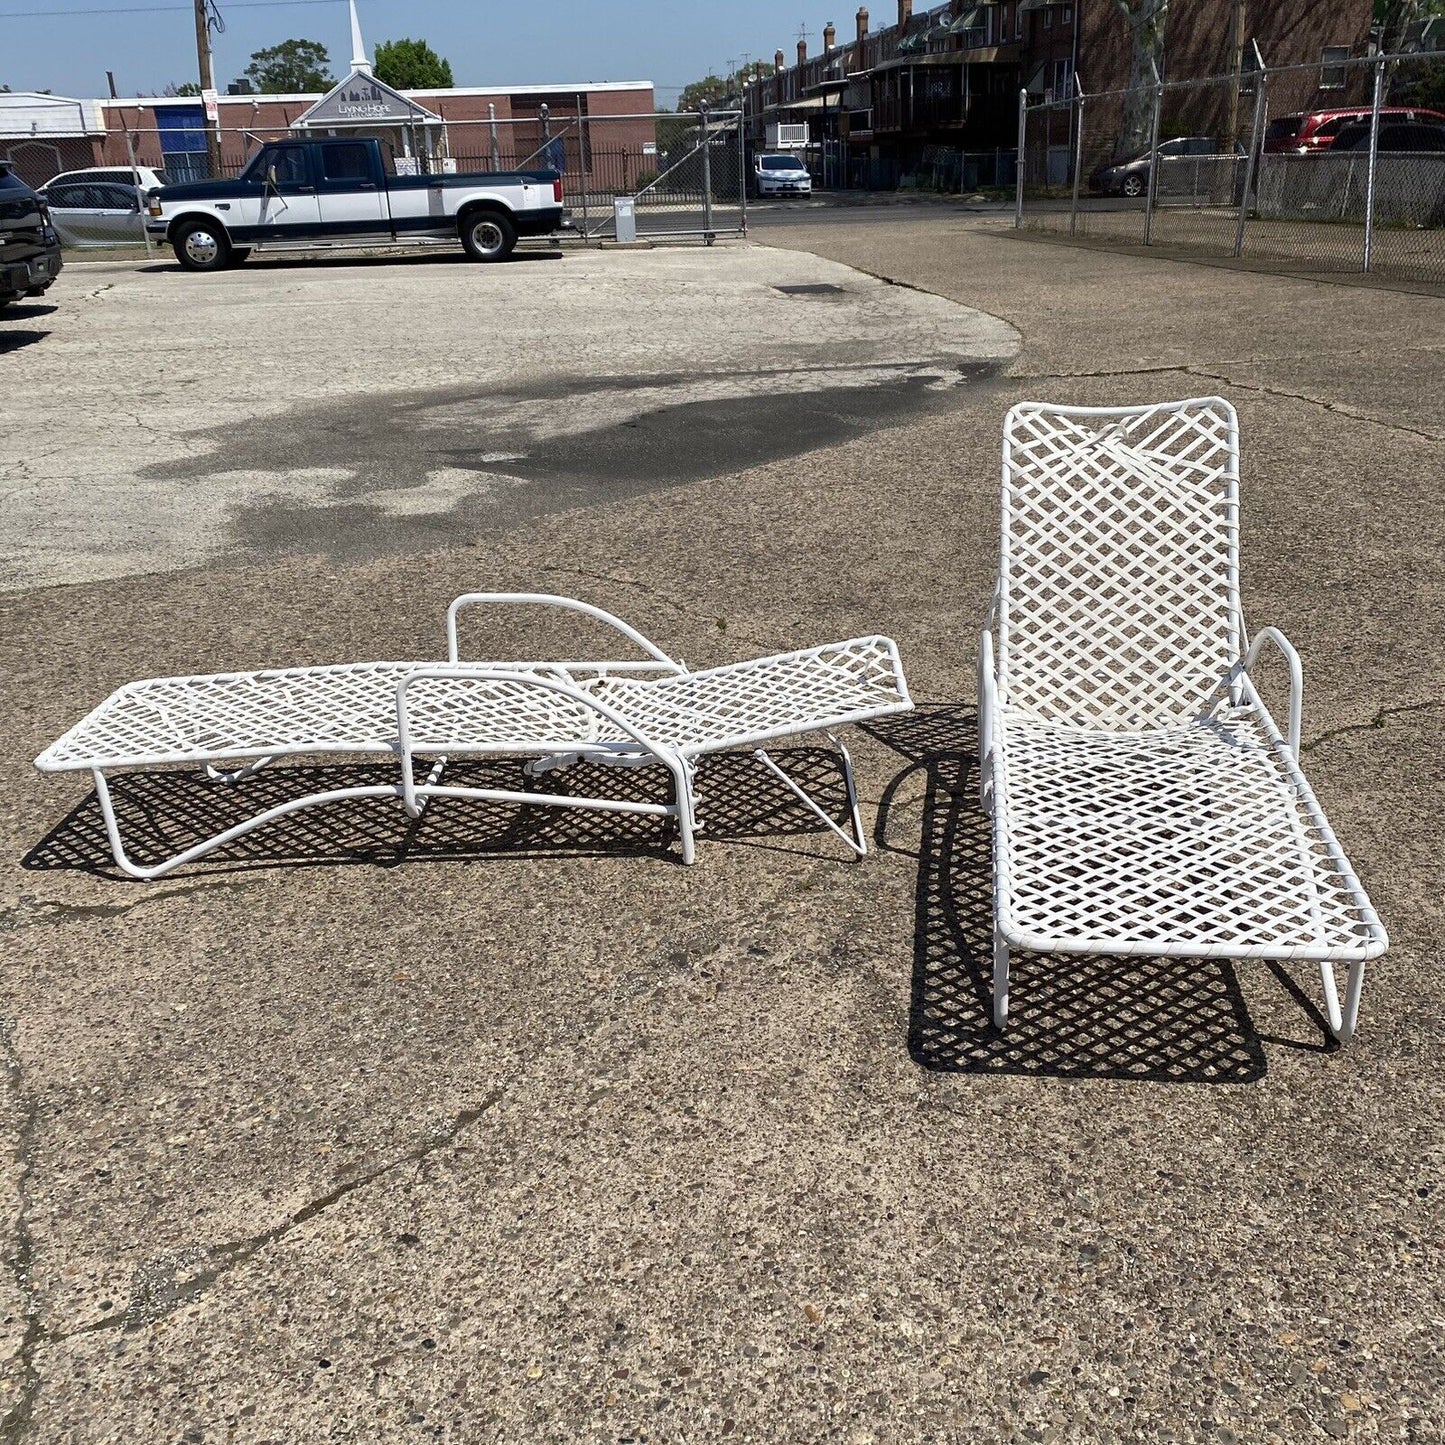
x: 950, y: 76
x: 43, y: 135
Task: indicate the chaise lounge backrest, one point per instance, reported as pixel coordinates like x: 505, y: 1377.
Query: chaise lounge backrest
x: 1118, y: 602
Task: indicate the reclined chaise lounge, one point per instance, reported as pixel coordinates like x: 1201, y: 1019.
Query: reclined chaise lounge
x: 1144, y: 800
x: 555, y: 714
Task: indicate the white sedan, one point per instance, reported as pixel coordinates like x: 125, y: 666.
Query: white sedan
x: 779, y: 175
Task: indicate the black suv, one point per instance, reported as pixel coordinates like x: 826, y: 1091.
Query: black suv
x: 29, y: 247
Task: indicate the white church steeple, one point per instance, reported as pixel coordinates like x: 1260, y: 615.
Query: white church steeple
x: 358, y: 50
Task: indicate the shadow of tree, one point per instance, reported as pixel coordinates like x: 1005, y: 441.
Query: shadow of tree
x: 163, y: 812
x: 1163, y: 1020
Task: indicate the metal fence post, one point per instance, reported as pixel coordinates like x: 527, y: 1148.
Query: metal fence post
x: 1374, y: 162
x: 135, y: 181
x: 1153, y: 165
x: 582, y: 167
x: 496, y: 143
x: 1019, y: 164
x: 743, y: 164
x: 706, y: 174
x: 1256, y: 141
x: 1078, y: 155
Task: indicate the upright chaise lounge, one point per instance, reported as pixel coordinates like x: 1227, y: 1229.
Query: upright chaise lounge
x: 552, y: 713
x: 1144, y: 801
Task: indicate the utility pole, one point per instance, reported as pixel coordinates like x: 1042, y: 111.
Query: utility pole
x: 208, y: 80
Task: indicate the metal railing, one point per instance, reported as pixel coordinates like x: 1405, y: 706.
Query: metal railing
x: 1308, y: 168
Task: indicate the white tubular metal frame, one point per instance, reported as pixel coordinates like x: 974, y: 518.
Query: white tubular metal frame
x: 555, y: 714
x: 1144, y: 800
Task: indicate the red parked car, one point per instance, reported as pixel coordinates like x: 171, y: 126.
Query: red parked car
x: 1308, y: 133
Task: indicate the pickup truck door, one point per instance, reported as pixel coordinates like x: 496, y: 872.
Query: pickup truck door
x: 289, y: 210
x: 350, y: 189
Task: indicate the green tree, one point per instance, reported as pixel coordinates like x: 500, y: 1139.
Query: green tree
x: 186, y: 87
x: 1394, y: 19
x: 710, y: 88
x: 411, y: 65
x: 1146, y: 20
x: 715, y: 89
x: 292, y: 67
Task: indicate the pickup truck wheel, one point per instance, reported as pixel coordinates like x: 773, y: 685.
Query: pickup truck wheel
x: 201, y: 246
x: 488, y: 236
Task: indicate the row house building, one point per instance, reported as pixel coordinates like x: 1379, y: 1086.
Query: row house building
x: 876, y: 103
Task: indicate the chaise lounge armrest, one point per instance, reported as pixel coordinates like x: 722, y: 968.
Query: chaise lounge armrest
x: 660, y: 661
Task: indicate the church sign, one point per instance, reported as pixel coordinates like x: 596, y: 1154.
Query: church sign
x: 361, y: 99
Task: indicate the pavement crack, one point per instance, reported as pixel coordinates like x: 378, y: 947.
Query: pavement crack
x: 1189, y: 369
x: 1378, y: 721
x: 30, y: 912
x: 15, y: 1424
x: 166, y: 1282
x: 619, y: 580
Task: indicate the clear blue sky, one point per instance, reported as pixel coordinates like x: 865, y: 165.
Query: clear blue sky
x: 489, y: 42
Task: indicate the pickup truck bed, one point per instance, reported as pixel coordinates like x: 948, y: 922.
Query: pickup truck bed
x: 342, y: 192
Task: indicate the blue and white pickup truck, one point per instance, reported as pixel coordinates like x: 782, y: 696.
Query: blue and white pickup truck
x: 303, y: 194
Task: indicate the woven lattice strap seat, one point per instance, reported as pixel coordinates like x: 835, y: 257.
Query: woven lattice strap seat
x: 1197, y: 838
x: 554, y: 713
x: 352, y: 709
x: 1144, y: 799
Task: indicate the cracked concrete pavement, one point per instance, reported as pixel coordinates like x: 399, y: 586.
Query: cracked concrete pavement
x: 554, y: 383
x: 511, y: 1128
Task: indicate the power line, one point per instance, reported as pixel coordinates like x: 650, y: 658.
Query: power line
x: 155, y: 9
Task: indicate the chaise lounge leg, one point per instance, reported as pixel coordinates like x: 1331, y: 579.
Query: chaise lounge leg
x: 1342, y: 1021
x: 861, y: 846
x: 228, y: 835
x: 682, y: 794
x: 433, y: 777
x: 1000, y: 979
x: 856, y: 841
x: 112, y: 831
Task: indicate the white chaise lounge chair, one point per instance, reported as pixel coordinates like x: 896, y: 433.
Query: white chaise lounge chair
x: 626, y: 714
x: 1143, y: 799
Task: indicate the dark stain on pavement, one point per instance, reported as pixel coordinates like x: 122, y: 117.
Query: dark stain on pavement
x: 391, y: 443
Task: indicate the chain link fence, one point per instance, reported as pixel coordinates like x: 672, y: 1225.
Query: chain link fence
x: 684, y: 173
x: 1329, y: 168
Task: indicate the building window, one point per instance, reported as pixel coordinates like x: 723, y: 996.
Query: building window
x: 1333, y: 66
x: 1068, y: 18
x: 1063, y: 80
x: 1019, y: 21
x: 1048, y: 17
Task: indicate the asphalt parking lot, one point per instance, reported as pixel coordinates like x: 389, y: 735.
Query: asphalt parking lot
x: 512, y: 1128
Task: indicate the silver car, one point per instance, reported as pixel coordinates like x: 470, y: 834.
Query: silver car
x: 96, y: 213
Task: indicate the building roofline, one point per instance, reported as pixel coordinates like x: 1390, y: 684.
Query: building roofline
x: 588, y: 87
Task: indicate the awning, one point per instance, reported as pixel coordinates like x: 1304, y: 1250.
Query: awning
x: 972, y: 20
x: 817, y: 102
x: 915, y: 62
x: 1026, y: 5
x: 1038, y: 82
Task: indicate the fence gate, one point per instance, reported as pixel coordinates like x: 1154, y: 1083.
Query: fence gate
x: 686, y: 180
